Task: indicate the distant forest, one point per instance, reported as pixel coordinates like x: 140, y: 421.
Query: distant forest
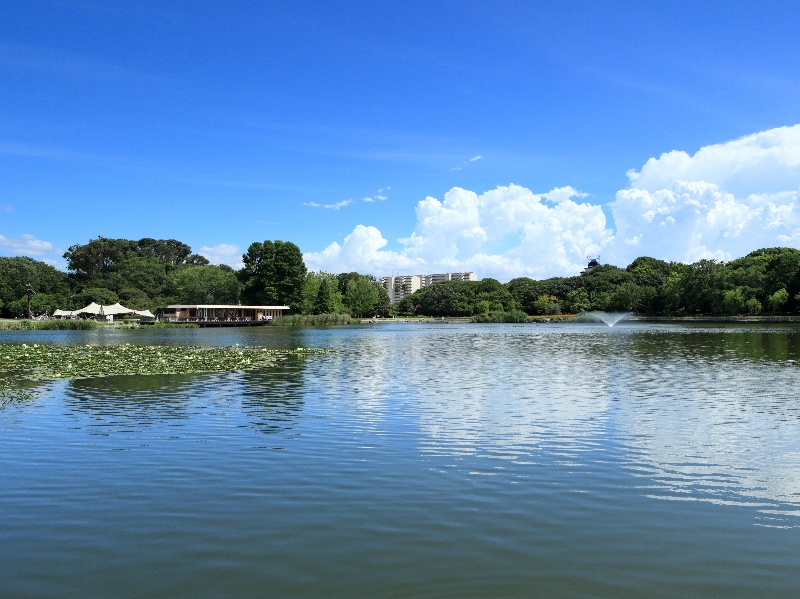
x: 152, y: 273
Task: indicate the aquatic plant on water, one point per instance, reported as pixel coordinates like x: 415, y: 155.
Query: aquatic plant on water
x: 10, y: 392
x: 38, y: 362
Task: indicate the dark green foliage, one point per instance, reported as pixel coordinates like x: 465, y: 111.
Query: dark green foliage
x: 95, y: 259
x: 136, y: 299
x: 577, y: 301
x: 331, y: 297
x: 361, y: 296
x: 98, y: 295
x: 344, y: 278
x: 325, y: 302
x: 451, y: 298
x: 41, y: 303
x: 204, y: 285
x: 168, y: 251
x: 149, y: 275
x: 17, y: 272
x: 526, y: 292
x: 274, y: 274
x: 92, y: 260
x: 500, y: 316
x: 649, y: 272
x: 547, y: 304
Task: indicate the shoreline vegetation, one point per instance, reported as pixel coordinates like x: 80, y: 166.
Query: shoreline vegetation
x: 80, y: 324
x: 314, y: 320
x: 155, y: 273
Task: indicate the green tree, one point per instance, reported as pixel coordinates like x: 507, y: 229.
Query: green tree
x: 495, y: 292
x: 92, y: 260
x: 627, y: 297
x: 345, y: 278
x: 41, y: 303
x: 204, y: 285
x: 311, y: 291
x: 17, y: 272
x: 753, y: 306
x: 649, y: 272
x: 274, y: 274
x: 577, y: 301
x: 778, y: 300
x: 361, y: 296
x: 733, y: 301
x: 325, y: 302
x: 136, y: 299
x: 483, y: 307
x: 168, y: 251
x: 384, y: 306
x: 547, y: 304
x: 525, y: 292
x: 98, y: 295
x: 147, y: 274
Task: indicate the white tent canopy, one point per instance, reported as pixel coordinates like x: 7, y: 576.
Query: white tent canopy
x: 98, y: 310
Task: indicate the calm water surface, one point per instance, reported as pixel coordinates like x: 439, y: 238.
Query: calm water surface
x: 415, y: 461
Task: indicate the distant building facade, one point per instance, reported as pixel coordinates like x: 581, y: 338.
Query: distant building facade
x: 401, y: 286
x: 593, y: 263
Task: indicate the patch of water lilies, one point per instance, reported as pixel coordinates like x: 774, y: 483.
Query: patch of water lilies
x: 38, y: 362
x: 9, y: 392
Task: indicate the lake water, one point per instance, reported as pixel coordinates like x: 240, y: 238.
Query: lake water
x: 416, y: 461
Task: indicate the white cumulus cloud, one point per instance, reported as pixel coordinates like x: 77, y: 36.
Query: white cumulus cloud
x: 459, y: 231
x: 722, y: 202
x: 361, y: 251
x: 765, y: 162
x: 27, y: 245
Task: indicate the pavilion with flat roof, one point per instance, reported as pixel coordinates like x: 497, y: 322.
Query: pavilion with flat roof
x: 220, y: 314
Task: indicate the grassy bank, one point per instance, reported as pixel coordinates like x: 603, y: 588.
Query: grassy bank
x: 48, y: 325
x: 296, y: 320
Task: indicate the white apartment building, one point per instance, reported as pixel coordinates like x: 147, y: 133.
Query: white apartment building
x: 401, y: 286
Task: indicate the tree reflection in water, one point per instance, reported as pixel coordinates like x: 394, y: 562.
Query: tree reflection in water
x: 268, y: 401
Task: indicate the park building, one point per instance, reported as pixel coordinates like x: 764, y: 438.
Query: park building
x: 400, y: 286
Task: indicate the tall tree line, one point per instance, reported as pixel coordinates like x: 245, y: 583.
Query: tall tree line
x: 152, y: 273
x: 764, y: 281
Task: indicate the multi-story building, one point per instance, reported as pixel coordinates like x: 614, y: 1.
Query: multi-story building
x: 401, y: 286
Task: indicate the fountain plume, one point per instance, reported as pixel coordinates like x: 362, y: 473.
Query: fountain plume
x: 610, y: 318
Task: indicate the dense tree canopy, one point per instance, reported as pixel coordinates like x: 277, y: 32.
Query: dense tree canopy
x: 151, y: 273
x: 95, y: 259
x: 765, y: 280
x: 16, y: 273
x: 274, y: 274
x: 204, y: 285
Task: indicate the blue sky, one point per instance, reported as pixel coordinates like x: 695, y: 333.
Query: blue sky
x: 509, y: 138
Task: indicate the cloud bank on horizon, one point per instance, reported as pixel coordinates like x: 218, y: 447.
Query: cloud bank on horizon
x: 724, y: 201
